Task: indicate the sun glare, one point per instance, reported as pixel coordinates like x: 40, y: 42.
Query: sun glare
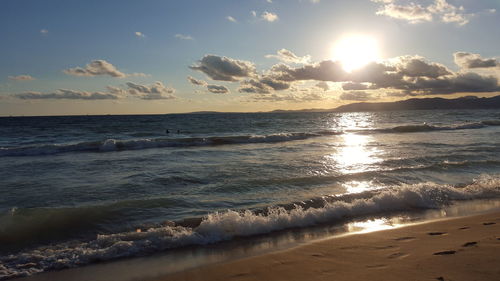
x: 355, y: 51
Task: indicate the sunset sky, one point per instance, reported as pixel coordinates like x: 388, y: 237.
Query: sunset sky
x: 61, y: 57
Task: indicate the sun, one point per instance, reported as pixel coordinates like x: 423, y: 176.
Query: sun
x: 355, y: 51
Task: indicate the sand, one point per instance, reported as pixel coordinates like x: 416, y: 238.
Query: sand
x: 466, y: 248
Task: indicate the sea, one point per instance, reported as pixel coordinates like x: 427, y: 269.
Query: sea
x: 80, y: 190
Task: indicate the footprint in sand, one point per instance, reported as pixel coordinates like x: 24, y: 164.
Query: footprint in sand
x: 405, y: 238
x: 440, y: 278
x: 468, y: 244
x: 436, y: 233
x: 375, y: 266
x: 449, y: 252
x: 398, y: 255
x: 464, y: 228
x: 488, y: 223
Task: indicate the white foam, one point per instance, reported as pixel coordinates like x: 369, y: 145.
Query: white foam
x: 229, y: 224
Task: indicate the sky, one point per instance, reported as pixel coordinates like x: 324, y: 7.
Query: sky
x: 69, y: 57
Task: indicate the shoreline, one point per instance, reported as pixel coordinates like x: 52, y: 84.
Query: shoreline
x: 181, y: 264
x: 463, y: 248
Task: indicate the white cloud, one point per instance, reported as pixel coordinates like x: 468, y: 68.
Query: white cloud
x: 269, y: 16
x: 23, y: 77
x: 285, y: 55
x: 44, y: 31
x: 413, y: 13
x: 253, y: 13
x: 139, y: 34
x: 416, y: 13
x: 183, y: 37
x: 231, y: 19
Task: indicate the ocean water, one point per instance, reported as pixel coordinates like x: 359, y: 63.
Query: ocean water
x: 77, y: 190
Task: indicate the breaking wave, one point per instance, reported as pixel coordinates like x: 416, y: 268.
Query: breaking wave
x: 137, y: 144
x: 221, y: 226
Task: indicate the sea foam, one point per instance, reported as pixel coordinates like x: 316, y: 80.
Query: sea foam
x: 225, y: 225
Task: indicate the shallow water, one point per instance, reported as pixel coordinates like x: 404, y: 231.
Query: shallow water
x: 76, y: 190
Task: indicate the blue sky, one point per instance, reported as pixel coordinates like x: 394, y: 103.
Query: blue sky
x: 152, y: 44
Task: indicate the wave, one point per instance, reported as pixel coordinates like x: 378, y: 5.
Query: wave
x: 221, y: 226
x: 426, y: 127
x: 109, y: 145
x: 136, y: 144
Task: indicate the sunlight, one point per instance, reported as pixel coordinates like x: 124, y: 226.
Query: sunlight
x: 355, y: 51
x: 371, y: 225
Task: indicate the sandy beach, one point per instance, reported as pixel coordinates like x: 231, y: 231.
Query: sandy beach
x: 466, y: 248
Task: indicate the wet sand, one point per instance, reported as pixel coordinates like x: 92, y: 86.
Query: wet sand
x: 466, y: 248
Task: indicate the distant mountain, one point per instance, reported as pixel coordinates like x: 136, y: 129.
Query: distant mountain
x: 468, y: 102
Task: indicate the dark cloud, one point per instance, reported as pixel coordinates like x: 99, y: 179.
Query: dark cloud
x: 67, y: 94
x: 196, y: 82
x: 217, y: 89
x: 224, y: 68
x: 263, y: 85
x: 414, y: 66
x: 156, y: 91
x: 469, y: 60
x: 458, y: 83
x: 99, y: 68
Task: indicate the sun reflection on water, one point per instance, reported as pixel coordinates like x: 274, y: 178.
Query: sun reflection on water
x: 371, y: 225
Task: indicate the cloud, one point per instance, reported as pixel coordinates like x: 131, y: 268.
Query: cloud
x: 67, y: 94
x: 269, y: 16
x: 23, y: 77
x: 217, y: 89
x: 469, y: 82
x: 139, y: 34
x: 231, y: 19
x: 449, y: 13
x: 357, y: 96
x: 349, y: 86
x: 416, y: 66
x: 285, y: 55
x: 253, y: 13
x: 296, y: 95
x: 99, y: 68
x: 44, y: 31
x: 183, y: 37
x: 470, y: 60
x: 410, y: 74
x: 323, y: 85
x: 415, y: 13
x: 263, y: 85
x: 224, y: 68
x: 412, y: 12
x: 156, y: 91
x: 196, y: 82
